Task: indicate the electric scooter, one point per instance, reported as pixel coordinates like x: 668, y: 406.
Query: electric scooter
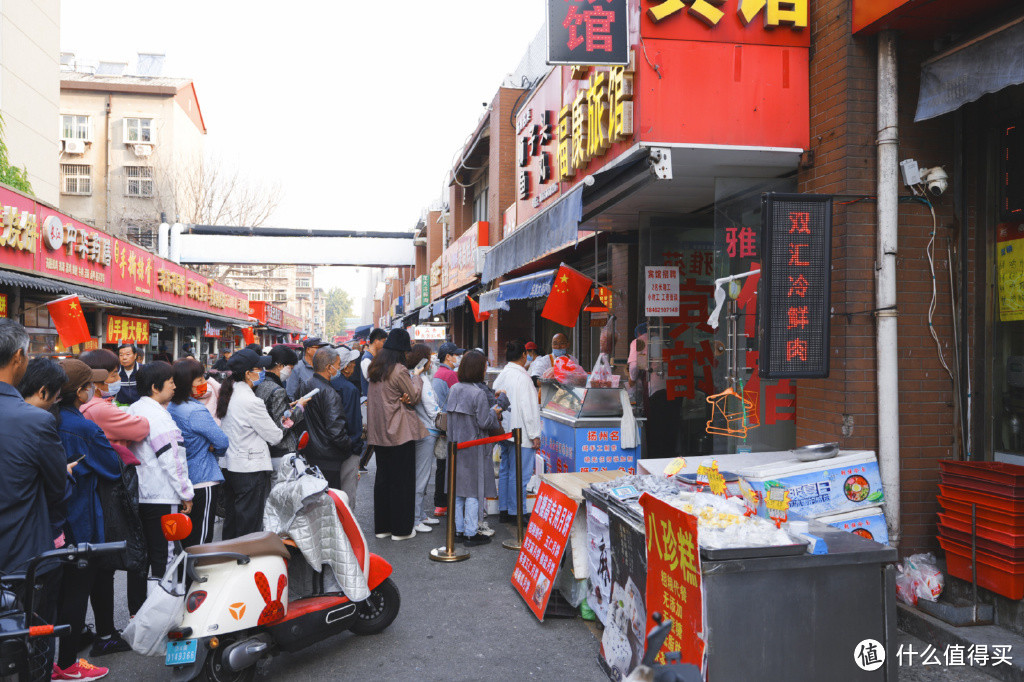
x: 237, y: 611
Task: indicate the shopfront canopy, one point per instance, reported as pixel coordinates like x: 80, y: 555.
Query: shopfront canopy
x: 455, y: 301
x: 968, y: 72
x: 489, y: 301
x: 537, y: 285
x: 425, y: 313
x: 437, y: 307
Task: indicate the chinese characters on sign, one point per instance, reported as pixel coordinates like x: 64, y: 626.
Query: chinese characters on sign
x: 1010, y: 269
x: 776, y: 12
x: 543, y: 545
x: 661, y: 291
x: 127, y: 329
x: 533, y: 151
x: 600, y: 115
x: 687, y: 353
x: 3, y: 306
x: 674, y: 584
x: 794, y: 310
x: 588, y: 31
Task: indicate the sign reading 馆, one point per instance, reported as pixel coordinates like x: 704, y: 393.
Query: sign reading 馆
x: 588, y: 31
x: 794, y: 305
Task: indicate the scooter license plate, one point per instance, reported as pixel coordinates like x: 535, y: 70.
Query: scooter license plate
x: 182, y: 652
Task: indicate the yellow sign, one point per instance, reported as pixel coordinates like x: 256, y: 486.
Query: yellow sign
x: 675, y: 466
x: 776, y: 500
x: 716, y: 481
x: 750, y: 497
x: 3, y: 306
x: 1010, y: 269
x: 19, y: 229
x: 776, y: 12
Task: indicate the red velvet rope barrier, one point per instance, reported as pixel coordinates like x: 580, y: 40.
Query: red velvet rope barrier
x: 483, y: 441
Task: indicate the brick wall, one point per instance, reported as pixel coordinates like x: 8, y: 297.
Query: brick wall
x: 843, y: 407
x: 502, y: 160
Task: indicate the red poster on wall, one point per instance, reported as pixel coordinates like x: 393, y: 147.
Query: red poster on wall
x: 543, y: 545
x: 674, y: 586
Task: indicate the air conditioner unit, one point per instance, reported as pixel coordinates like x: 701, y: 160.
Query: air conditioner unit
x: 143, y: 149
x: 74, y: 146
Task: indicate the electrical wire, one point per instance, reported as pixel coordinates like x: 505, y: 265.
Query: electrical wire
x: 930, y: 251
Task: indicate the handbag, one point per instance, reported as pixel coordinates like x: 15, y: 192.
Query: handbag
x: 441, y: 448
x: 163, y: 610
x: 441, y: 421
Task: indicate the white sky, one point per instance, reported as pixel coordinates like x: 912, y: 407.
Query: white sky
x: 357, y: 109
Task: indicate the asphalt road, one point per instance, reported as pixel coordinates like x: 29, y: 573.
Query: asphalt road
x: 459, y: 621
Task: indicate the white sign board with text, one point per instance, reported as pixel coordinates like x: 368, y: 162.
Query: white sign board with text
x: 661, y: 291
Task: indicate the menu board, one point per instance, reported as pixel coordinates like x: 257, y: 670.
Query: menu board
x: 543, y: 545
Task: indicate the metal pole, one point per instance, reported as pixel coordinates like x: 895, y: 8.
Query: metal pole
x: 517, y: 544
x: 974, y: 559
x: 448, y: 553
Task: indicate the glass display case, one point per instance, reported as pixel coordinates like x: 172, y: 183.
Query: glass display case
x: 582, y: 429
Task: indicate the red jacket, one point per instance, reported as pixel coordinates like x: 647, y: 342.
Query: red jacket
x: 118, y: 426
x: 447, y: 375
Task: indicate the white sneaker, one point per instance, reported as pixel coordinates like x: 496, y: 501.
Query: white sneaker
x: 423, y: 528
x: 484, y: 529
x: 404, y: 537
x: 383, y: 535
x: 431, y: 521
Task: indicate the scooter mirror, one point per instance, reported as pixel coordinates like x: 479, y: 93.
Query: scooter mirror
x: 176, y: 526
x: 303, y: 440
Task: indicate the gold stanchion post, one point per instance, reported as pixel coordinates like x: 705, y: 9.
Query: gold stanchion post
x: 517, y: 543
x: 448, y: 553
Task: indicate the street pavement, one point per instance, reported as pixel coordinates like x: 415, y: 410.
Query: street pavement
x: 459, y: 621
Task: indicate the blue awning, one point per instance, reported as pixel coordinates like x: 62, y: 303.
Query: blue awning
x: 425, y: 312
x: 489, y: 301
x: 437, y: 308
x: 536, y: 285
x: 456, y: 300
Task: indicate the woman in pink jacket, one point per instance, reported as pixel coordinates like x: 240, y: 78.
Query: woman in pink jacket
x: 120, y: 428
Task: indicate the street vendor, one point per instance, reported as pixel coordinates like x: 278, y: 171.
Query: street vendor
x: 559, y: 348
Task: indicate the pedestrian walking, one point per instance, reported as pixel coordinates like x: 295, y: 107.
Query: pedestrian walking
x: 303, y: 371
x: 88, y: 449
x: 448, y: 355
x: 251, y: 432
x: 524, y: 414
x: 35, y: 475
x: 164, y: 485
x: 204, y: 443
x: 393, y: 429
x: 426, y: 410
x: 471, y: 416
x: 289, y: 416
x: 128, y: 355
x: 330, y: 447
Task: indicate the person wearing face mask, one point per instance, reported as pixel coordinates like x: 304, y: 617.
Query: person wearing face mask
x: 204, y: 443
x: 85, y: 444
x: 350, y: 396
x: 207, y: 392
x: 330, y: 446
x: 250, y: 431
x: 559, y: 348
x: 164, y: 485
x: 531, y: 354
x: 289, y: 415
x: 119, y: 427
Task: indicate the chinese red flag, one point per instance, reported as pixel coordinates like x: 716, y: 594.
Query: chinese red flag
x: 568, y: 292
x: 69, y: 320
x: 477, y: 315
x: 248, y: 336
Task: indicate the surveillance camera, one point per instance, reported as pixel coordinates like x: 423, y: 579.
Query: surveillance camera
x: 936, y: 180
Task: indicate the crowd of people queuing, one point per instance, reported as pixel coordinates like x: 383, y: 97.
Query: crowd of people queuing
x: 99, y: 447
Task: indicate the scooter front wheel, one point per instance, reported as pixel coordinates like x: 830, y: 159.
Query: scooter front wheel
x: 378, y: 610
x: 216, y: 668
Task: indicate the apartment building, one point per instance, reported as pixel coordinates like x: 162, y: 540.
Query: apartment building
x: 131, y: 146
x: 287, y: 286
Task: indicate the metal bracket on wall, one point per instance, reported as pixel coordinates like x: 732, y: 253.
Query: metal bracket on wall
x: 661, y: 162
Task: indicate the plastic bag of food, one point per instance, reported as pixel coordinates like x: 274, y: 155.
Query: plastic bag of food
x: 566, y: 371
x: 928, y: 579
x: 601, y: 375
x: 905, y: 591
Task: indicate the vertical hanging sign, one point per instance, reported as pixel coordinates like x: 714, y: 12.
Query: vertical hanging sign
x: 794, y: 308
x: 588, y: 32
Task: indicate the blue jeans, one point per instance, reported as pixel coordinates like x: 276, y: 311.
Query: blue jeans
x: 507, y: 476
x: 467, y: 515
x: 424, y: 462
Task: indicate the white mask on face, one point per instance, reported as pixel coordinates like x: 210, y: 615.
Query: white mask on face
x: 286, y: 372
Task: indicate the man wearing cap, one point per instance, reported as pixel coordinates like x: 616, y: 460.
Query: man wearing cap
x: 448, y: 358
x: 128, y: 355
x: 559, y: 348
x: 350, y: 397
x: 531, y: 354
x: 330, y: 446
x: 303, y: 371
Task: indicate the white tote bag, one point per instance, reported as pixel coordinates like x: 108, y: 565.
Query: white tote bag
x: 163, y: 610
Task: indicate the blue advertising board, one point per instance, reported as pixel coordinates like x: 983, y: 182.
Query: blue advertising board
x: 568, y: 449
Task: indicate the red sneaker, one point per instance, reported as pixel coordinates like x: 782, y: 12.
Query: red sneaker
x: 80, y: 670
x: 440, y: 511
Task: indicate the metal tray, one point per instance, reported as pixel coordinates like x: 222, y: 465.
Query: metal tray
x: 812, y: 453
x: 753, y: 552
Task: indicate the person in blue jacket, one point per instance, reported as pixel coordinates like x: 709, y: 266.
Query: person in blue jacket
x: 88, y: 449
x: 204, y: 443
x: 350, y: 397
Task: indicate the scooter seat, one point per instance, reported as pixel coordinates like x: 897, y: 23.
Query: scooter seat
x: 253, y: 544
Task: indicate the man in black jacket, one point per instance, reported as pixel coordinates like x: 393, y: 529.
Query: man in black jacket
x: 329, y: 445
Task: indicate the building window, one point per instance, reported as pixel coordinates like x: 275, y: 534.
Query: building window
x: 303, y: 283
x: 138, y: 181
x: 74, y: 127
x: 138, y: 130
x: 480, y: 202
x: 75, y: 179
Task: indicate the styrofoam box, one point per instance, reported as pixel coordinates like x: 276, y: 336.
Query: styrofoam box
x: 844, y: 483
x: 869, y: 523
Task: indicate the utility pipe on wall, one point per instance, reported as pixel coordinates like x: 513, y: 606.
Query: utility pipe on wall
x: 887, y: 365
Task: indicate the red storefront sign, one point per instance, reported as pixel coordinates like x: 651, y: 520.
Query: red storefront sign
x: 674, y: 584
x: 130, y: 329
x: 543, y: 545
x: 267, y: 313
x: 212, y: 332
x: 292, y: 322
x: 458, y: 262
x: 35, y: 238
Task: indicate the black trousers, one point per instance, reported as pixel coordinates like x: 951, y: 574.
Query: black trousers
x: 158, y: 548
x: 441, y: 483
x: 394, y: 490
x: 75, y: 586
x: 246, y: 496
x: 45, y: 606
x: 102, y: 599
x: 203, y: 515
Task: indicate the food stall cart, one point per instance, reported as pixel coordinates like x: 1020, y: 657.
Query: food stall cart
x: 582, y: 429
